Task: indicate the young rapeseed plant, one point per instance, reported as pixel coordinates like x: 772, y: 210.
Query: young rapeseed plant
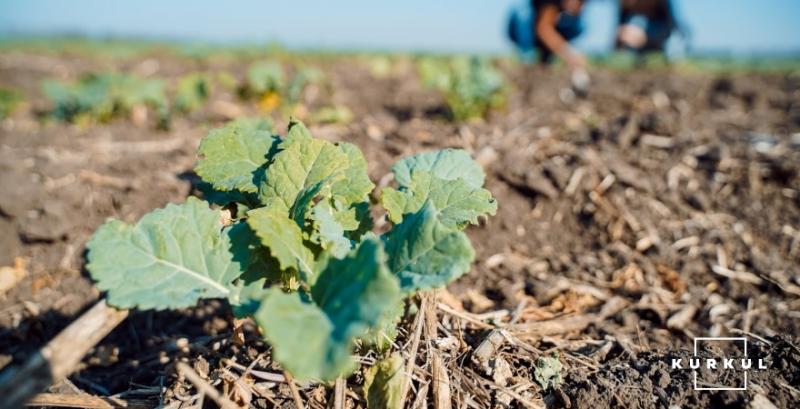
x: 298, y: 255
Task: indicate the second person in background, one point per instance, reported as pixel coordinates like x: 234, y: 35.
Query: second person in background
x: 646, y: 25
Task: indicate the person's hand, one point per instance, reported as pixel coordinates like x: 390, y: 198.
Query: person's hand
x: 632, y: 36
x: 575, y: 59
x: 580, y: 81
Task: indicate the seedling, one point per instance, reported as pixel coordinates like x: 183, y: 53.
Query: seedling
x: 293, y: 247
x: 334, y: 114
x: 191, y: 93
x: 102, y: 97
x: 470, y: 87
x: 274, y: 89
x: 9, y: 100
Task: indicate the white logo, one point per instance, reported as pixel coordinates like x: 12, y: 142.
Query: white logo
x: 739, y: 364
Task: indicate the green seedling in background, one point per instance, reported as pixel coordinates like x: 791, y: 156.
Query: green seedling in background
x: 192, y: 92
x: 9, y: 100
x: 336, y: 114
x: 102, y: 97
x: 274, y: 89
x: 471, y: 87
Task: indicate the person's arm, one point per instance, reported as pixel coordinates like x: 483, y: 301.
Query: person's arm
x: 546, y: 20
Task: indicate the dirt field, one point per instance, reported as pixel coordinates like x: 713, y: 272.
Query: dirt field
x: 661, y: 207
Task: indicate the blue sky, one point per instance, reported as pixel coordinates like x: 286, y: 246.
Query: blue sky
x: 741, y: 26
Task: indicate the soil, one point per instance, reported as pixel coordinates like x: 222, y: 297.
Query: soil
x: 675, y: 194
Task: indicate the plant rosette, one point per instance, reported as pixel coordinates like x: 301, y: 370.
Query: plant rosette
x: 296, y: 252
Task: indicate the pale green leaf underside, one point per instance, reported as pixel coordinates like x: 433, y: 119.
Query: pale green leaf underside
x: 314, y: 340
x: 331, y: 233
x: 229, y: 156
x: 383, y: 383
x: 424, y: 254
x: 303, y: 163
x: 348, y: 217
x: 356, y: 219
x: 171, y: 258
x: 283, y: 237
x: 247, y: 297
x: 457, y: 202
x: 447, y: 164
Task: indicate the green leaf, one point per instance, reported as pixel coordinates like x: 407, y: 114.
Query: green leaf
x: 381, y: 336
x: 230, y: 157
x: 301, y: 164
x: 304, y: 200
x: 355, y: 291
x: 383, y: 383
x: 447, y: 164
x: 356, y: 220
x: 297, y: 132
x: 397, y: 203
x: 355, y: 186
x: 300, y: 335
x: 314, y: 340
x: 331, y: 233
x: 457, y: 202
x: 348, y: 217
x: 262, y: 269
x: 283, y: 237
x: 170, y: 259
x: 424, y: 253
x: 547, y: 371
x: 363, y: 216
x: 248, y: 297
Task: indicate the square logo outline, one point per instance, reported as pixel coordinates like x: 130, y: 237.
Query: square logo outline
x: 724, y: 388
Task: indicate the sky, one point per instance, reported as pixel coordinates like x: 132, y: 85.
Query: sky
x: 736, y: 26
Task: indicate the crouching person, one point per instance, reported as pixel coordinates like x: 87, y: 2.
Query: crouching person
x: 645, y: 25
x: 556, y: 23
